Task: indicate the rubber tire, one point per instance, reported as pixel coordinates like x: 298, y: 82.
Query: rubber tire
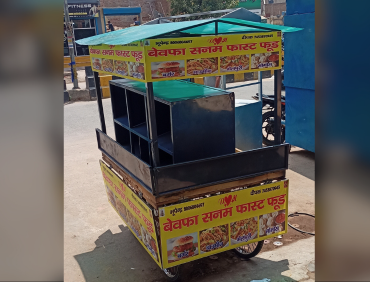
x: 252, y: 254
x: 265, y: 140
x: 176, y: 277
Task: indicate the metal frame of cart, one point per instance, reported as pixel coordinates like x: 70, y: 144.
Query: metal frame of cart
x: 160, y: 186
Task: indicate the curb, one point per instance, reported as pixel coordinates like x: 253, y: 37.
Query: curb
x: 79, y: 95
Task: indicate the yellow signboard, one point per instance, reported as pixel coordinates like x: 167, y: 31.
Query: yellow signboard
x: 179, y: 58
x: 125, y: 61
x: 134, y: 212
x: 203, y: 227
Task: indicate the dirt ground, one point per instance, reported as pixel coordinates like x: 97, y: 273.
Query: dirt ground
x: 99, y: 247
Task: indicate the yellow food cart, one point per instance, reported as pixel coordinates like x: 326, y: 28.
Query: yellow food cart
x: 172, y: 173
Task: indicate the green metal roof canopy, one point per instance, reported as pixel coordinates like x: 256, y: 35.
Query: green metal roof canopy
x: 188, y: 28
x: 184, y: 90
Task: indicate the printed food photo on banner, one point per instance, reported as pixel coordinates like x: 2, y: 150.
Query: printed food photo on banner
x: 149, y: 242
x: 136, y: 70
x: 115, y: 200
x: 107, y: 65
x: 168, y: 69
x: 182, y: 247
x: 244, y: 230
x: 121, y: 209
x: 214, y: 238
x: 234, y: 63
x: 134, y: 224
x: 96, y: 63
x: 110, y: 196
x: 265, y: 60
x: 272, y: 223
x: 121, y: 68
x: 202, y: 66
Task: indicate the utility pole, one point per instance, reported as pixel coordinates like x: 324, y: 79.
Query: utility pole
x: 69, y: 28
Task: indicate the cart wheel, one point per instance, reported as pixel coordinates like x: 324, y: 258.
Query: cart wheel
x: 268, y: 133
x: 173, y: 273
x: 250, y: 250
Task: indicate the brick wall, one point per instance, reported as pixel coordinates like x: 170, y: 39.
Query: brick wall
x: 147, y: 15
x: 274, y: 9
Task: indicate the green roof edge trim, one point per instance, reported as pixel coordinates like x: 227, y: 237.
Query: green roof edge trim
x: 137, y: 33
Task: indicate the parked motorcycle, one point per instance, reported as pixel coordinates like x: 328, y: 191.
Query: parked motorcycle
x: 268, y: 132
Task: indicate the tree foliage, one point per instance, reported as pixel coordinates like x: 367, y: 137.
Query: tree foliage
x: 180, y: 7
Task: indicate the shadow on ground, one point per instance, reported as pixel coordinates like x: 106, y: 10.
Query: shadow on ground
x: 120, y: 257
x: 302, y: 162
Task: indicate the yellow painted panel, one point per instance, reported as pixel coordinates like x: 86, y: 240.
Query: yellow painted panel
x: 238, y: 77
x: 105, y: 91
x: 199, y: 80
x: 135, y: 213
x: 104, y: 80
x: 172, y: 59
x: 81, y: 61
x: 222, y: 222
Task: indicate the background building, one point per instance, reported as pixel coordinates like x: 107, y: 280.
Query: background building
x: 150, y: 10
x: 252, y: 5
x: 273, y: 8
x: 82, y: 14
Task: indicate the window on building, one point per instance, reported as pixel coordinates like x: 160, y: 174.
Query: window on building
x: 83, y: 50
x: 81, y: 24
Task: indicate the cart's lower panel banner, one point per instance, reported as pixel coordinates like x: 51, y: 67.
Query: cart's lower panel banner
x: 134, y: 212
x: 210, y: 225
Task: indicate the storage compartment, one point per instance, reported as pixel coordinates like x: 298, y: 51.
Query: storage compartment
x: 144, y: 150
x: 119, y: 105
x: 163, y: 118
x: 165, y: 158
x: 123, y: 136
x: 193, y: 121
x: 165, y: 142
x: 137, y: 113
x: 135, y: 145
x: 248, y: 124
x: 140, y: 148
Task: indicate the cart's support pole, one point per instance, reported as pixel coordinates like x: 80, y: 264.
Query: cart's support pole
x: 277, y: 106
x: 100, y: 103
x: 260, y: 85
x: 223, y: 82
x: 152, y: 123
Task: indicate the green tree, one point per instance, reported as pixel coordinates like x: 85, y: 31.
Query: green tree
x: 180, y: 7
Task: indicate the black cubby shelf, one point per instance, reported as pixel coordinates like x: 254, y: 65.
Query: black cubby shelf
x: 123, y: 136
x: 165, y: 142
x: 141, y: 130
x: 193, y: 121
x: 165, y: 158
x: 123, y: 121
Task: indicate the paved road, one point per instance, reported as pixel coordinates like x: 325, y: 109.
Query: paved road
x: 99, y: 247
x: 247, y: 92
